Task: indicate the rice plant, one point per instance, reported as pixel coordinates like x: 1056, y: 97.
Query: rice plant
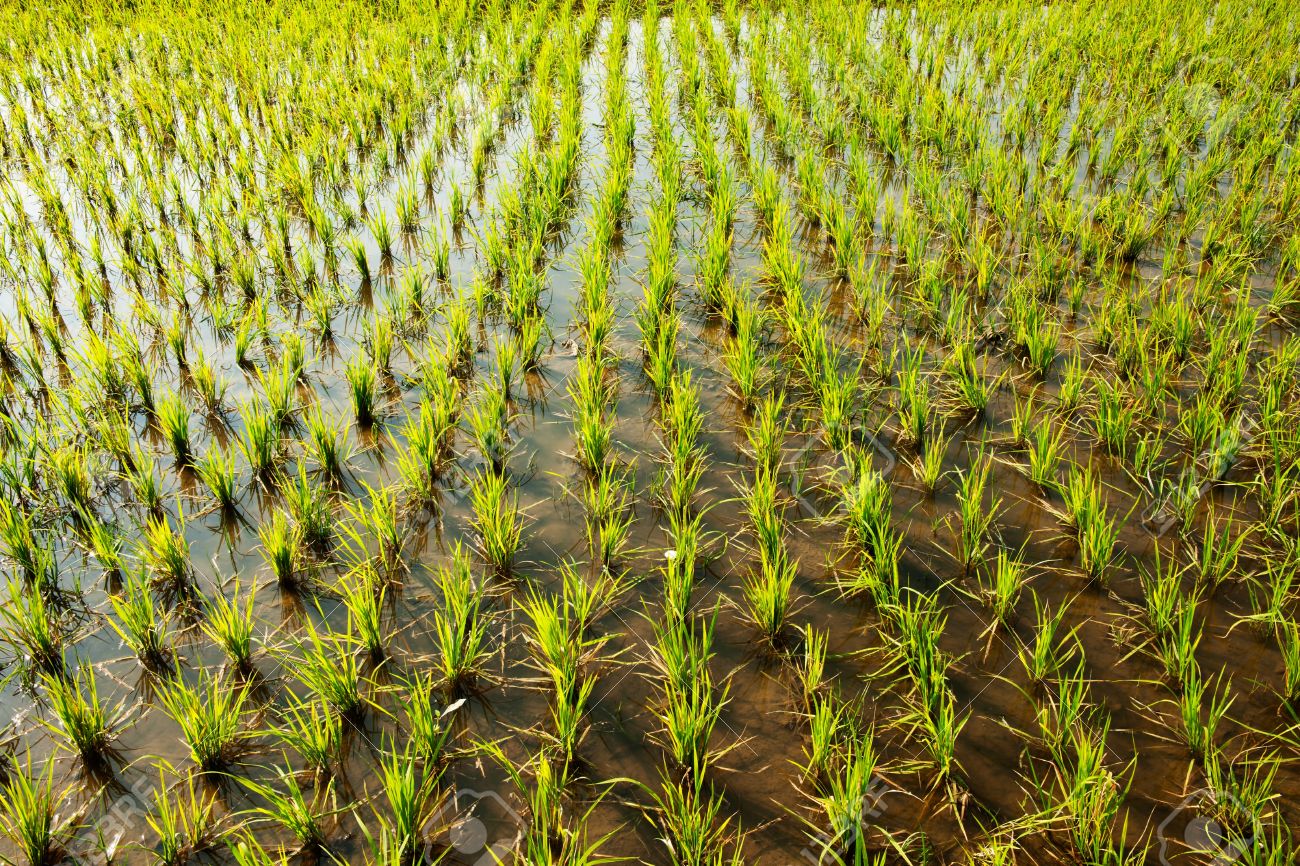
x: 324, y: 445
x: 363, y: 387
x: 1005, y: 582
x: 262, y: 441
x: 313, y: 731
x: 211, y: 716
x: 217, y: 470
x: 280, y: 546
x: 429, y: 719
x: 30, y: 817
x: 409, y: 795
x: 461, y: 626
x: 285, y: 803
x: 85, y: 723
x: 326, y: 662
x: 186, y: 824
x: 32, y: 628
x: 497, y: 520
x: 174, y: 422
x: 976, y: 521
x: 230, y: 623
x: 140, y: 623
x: 364, y: 595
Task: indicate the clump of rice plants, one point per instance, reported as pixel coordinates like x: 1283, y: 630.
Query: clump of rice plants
x: 313, y: 732
x: 211, y: 715
x: 85, y: 723
x: 30, y: 819
x: 174, y: 422
x: 32, y: 627
x: 185, y: 823
x: 461, y: 625
x: 327, y: 664
x: 497, y: 520
x: 230, y: 623
x: 141, y: 624
x: 363, y: 387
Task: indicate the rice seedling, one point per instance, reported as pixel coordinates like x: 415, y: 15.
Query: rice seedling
x: 278, y: 387
x: 826, y: 724
x: 326, y: 662
x: 973, y: 392
x: 694, y: 829
x: 913, y: 403
x: 811, y: 666
x: 767, y: 593
x: 363, y: 595
x: 244, y: 340
x: 928, y: 464
x: 497, y: 520
x: 867, y: 505
x: 1095, y: 793
x: 313, y: 732
x: 174, y: 422
x: 211, y: 715
x: 217, y: 471
x: 1216, y: 557
x: 1096, y: 532
x: 383, y: 235
x: 461, y: 625
x: 548, y: 833
x: 140, y: 624
x: 375, y: 520
x: 409, y: 795
x: 661, y: 352
x: 311, y: 510
x: 606, y: 497
x: 30, y: 817
x: 261, y: 441
x: 687, y: 721
x: 975, y: 521
x: 280, y: 549
x: 593, y: 403
x: 166, y: 552
x: 30, y: 626
x: 71, y: 474
x: 428, y: 719
x: 1050, y: 648
x: 1046, y: 450
x: 20, y: 544
x: 84, y: 722
x: 285, y: 804
x: 363, y: 387
x: 847, y: 792
x: 1114, y: 418
x: 379, y: 344
x: 557, y: 645
x: 1005, y: 582
x: 186, y: 825
x: 106, y: 543
x: 489, y: 423
x: 324, y: 446
x: 230, y: 623
x: 1201, y: 710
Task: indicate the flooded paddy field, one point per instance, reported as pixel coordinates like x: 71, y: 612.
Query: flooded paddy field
x: 689, y: 433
